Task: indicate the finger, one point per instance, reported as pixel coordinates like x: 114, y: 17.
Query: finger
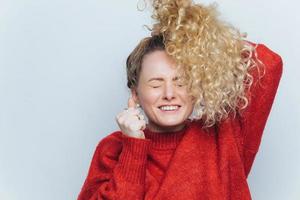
x: 142, y: 116
x: 120, y: 119
x: 128, y: 118
x: 137, y: 125
x: 132, y: 119
x: 144, y: 126
x: 128, y: 112
x: 131, y: 103
x: 132, y: 112
x: 119, y: 115
x: 122, y: 114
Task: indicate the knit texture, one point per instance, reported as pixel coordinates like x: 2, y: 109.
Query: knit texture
x: 194, y: 163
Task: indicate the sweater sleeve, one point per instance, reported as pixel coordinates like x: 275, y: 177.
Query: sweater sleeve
x: 261, y: 97
x: 117, y: 169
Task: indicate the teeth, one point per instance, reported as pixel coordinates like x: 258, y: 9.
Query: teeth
x: 168, y: 107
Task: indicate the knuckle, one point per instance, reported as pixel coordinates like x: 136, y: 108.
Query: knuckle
x: 120, y: 119
x: 130, y: 109
x: 126, y: 124
x: 134, y: 126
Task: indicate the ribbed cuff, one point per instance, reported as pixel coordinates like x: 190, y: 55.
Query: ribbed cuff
x: 133, y: 159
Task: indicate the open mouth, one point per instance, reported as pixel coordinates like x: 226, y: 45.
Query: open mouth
x: 169, y: 108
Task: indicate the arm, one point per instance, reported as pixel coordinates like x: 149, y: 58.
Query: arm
x: 117, y: 170
x: 262, y: 94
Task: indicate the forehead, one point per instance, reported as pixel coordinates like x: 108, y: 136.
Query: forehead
x: 158, y: 63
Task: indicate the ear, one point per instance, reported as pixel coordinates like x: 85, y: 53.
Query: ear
x: 134, y: 95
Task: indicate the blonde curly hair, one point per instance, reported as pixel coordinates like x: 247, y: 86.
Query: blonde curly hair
x: 212, y: 56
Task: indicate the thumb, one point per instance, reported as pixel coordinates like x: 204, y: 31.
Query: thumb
x: 131, y: 103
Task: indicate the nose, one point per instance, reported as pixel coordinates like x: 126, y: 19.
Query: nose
x: 169, y: 92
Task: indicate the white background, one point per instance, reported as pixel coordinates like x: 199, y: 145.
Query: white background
x: 62, y: 81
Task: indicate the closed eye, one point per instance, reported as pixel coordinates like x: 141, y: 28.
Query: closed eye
x: 155, y: 86
x: 180, y: 84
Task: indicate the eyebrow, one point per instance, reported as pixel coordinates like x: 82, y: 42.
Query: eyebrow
x: 161, y: 79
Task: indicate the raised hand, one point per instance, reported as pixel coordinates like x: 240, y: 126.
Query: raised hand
x: 131, y: 121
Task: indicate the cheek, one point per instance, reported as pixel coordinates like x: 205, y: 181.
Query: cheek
x: 149, y: 98
x: 183, y: 93
x: 189, y: 101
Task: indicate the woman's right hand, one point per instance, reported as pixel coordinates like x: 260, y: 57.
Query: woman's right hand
x: 131, y: 121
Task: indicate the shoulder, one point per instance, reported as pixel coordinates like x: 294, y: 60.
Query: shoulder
x: 112, y: 138
x: 111, y: 144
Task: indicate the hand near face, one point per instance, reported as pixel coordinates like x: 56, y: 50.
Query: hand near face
x: 131, y: 121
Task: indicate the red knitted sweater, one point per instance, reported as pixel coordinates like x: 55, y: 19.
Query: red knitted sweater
x: 191, y: 164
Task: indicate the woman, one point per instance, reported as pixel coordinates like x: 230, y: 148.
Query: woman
x: 192, y: 62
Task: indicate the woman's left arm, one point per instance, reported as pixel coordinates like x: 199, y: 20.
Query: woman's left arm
x: 262, y: 94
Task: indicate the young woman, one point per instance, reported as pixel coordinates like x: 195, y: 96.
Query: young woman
x: 206, y: 93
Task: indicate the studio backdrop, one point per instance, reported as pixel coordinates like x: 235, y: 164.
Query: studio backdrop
x: 62, y: 82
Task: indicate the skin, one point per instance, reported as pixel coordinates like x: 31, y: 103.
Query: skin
x: 131, y: 121
x: 159, y: 84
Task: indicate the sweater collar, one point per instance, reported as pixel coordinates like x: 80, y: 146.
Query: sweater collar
x: 165, y: 140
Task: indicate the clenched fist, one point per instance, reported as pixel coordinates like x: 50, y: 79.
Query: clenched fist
x: 131, y: 121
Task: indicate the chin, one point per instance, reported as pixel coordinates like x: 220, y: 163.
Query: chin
x: 171, y: 123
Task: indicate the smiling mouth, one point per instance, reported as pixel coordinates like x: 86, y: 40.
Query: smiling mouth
x: 169, y: 108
